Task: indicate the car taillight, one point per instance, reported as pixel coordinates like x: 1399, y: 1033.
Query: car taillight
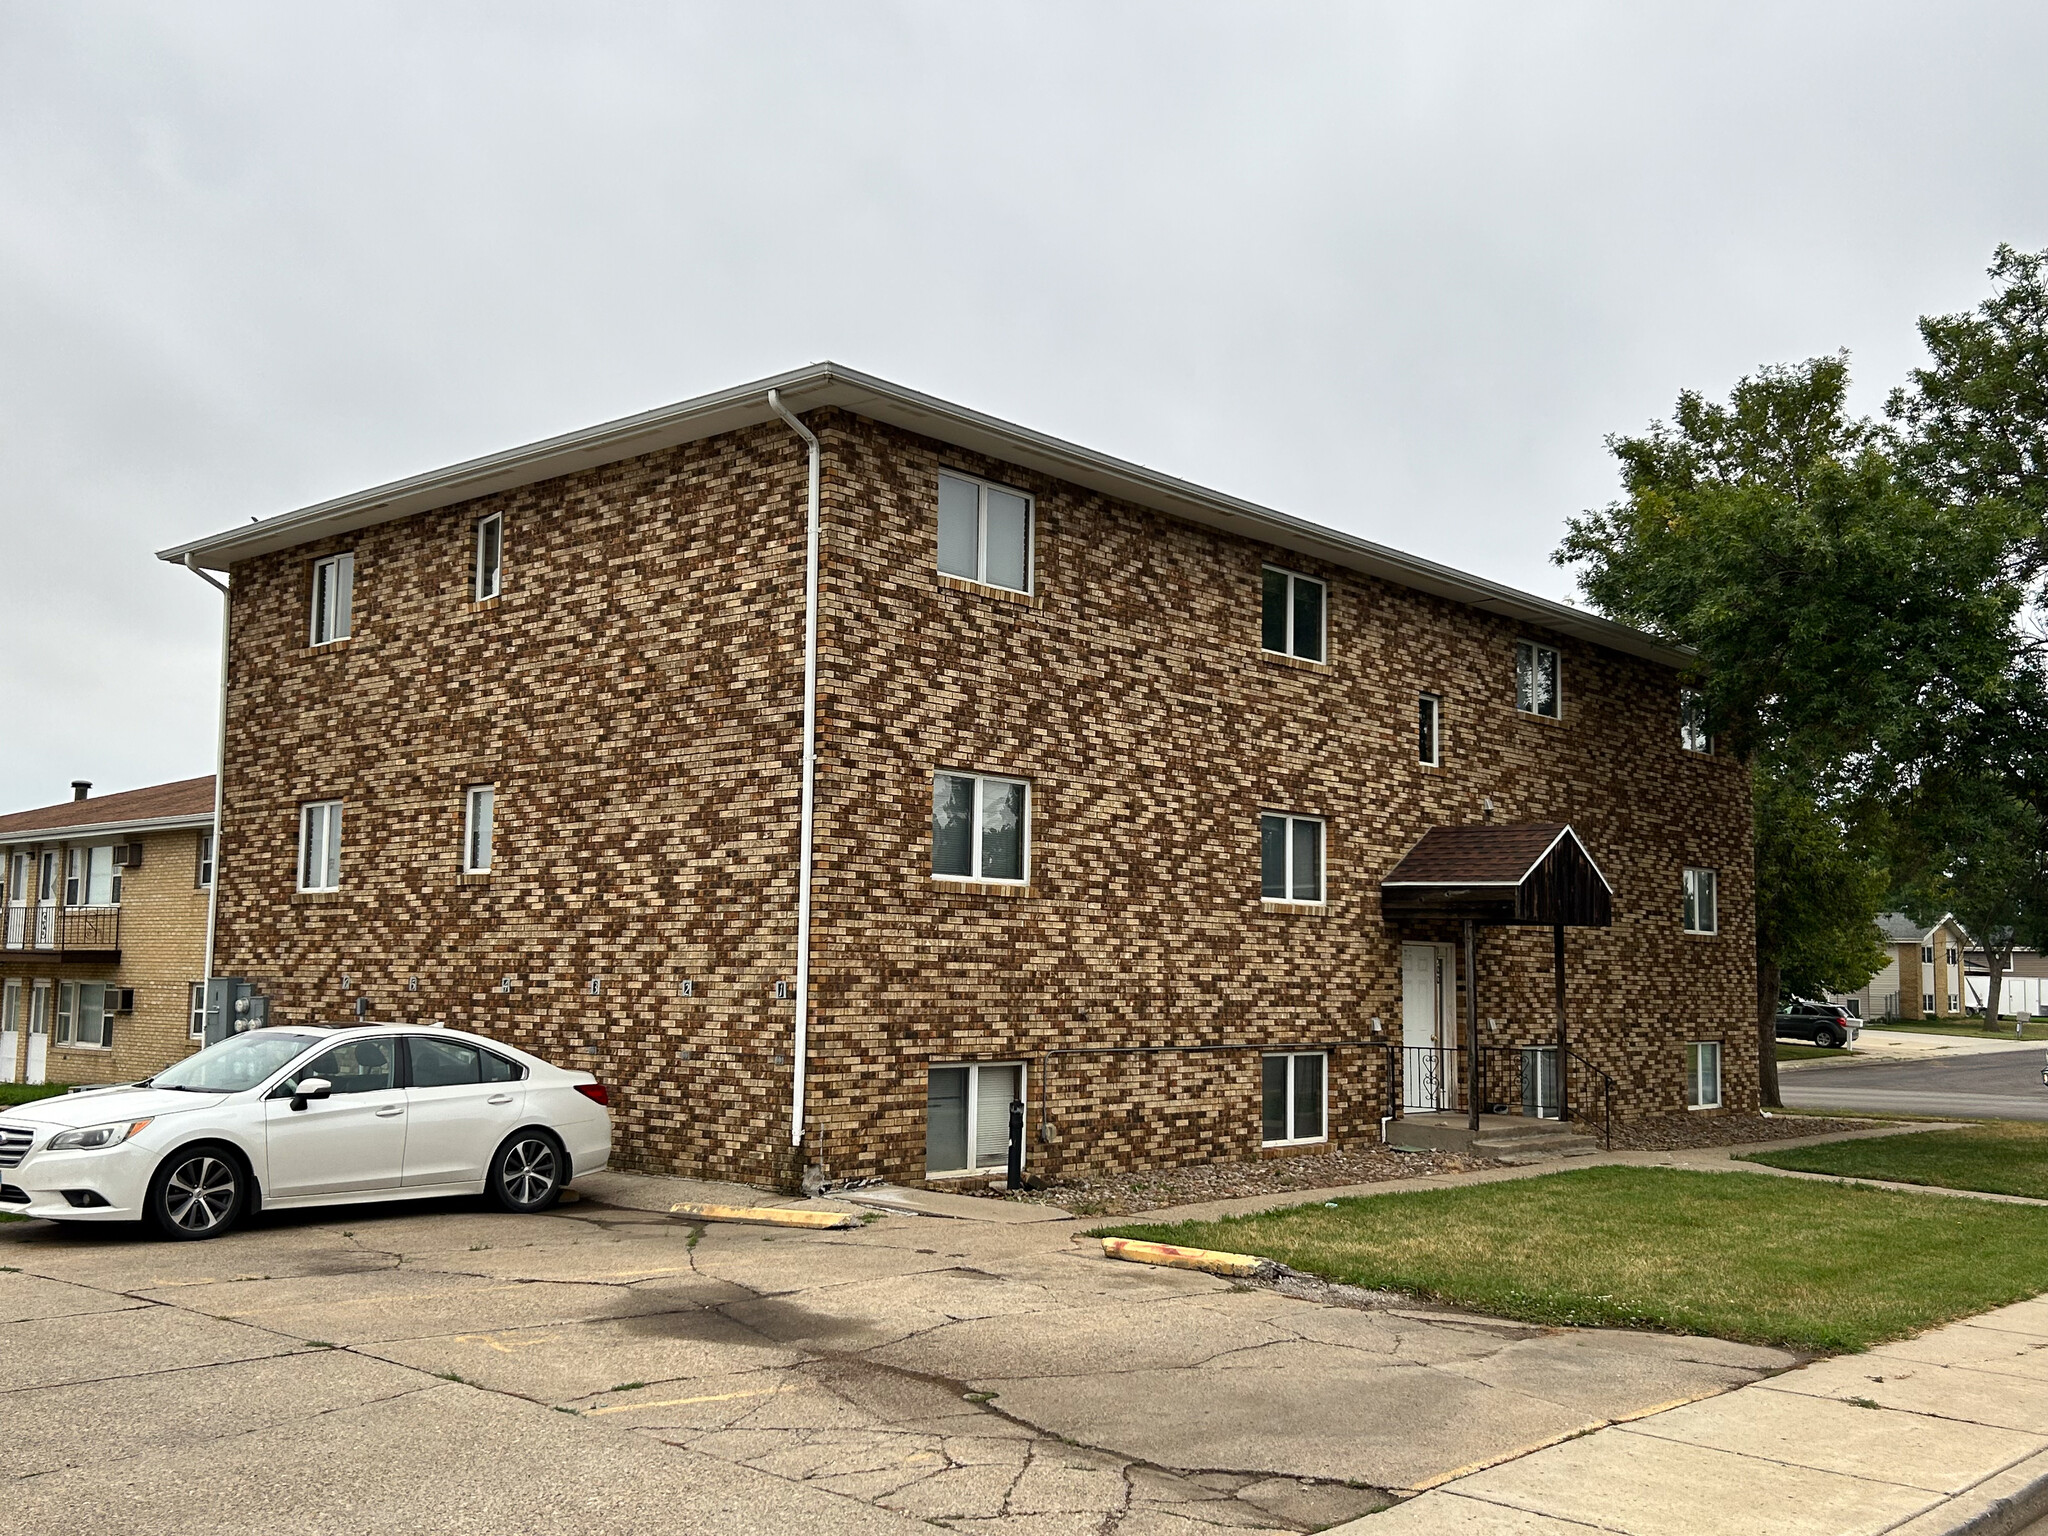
x: 595, y: 1092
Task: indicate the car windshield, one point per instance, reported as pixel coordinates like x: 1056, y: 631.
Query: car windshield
x: 238, y: 1062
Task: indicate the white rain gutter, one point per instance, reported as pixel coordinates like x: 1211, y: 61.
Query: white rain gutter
x: 800, y: 1048
x: 220, y: 759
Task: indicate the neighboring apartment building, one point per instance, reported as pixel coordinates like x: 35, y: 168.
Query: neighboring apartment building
x: 103, y: 932
x: 1922, y: 979
x: 1109, y: 769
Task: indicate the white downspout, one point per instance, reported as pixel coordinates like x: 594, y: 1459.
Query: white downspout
x: 220, y: 759
x: 799, y: 1050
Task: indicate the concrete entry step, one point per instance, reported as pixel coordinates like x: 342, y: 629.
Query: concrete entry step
x: 1510, y: 1138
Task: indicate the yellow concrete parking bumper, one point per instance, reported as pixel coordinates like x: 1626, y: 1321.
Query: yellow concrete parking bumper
x: 765, y: 1216
x: 1210, y: 1260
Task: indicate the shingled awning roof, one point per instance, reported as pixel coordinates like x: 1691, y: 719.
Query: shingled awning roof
x: 1537, y: 873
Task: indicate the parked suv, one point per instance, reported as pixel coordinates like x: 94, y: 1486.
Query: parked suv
x: 1830, y: 1024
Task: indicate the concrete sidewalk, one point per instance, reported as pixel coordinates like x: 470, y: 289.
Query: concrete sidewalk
x: 1937, y: 1435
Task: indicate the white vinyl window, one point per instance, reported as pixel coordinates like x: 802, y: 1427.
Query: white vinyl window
x: 334, y: 581
x: 202, y: 877
x: 320, y: 846
x: 1702, y: 905
x: 82, y: 1014
x: 967, y: 1117
x: 1290, y: 857
x: 1292, y: 616
x: 1429, y: 742
x: 490, y: 556
x: 1953, y: 1000
x: 1703, y: 1074
x: 91, y: 878
x: 1927, y: 1004
x: 46, y: 879
x: 1692, y: 721
x: 1537, y: 686
x: 985, y: 533
x: 981, y: 828
x: 478, y: 807
x: 1293, y: 1099
x: 197, y: 1003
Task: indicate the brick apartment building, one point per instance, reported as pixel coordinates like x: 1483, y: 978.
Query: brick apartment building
x: 1105, y: 762
x: 103, y: 932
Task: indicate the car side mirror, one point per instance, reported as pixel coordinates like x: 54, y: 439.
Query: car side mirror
x: 310, y: 1088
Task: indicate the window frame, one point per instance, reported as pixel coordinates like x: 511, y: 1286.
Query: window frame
x: 202, y: 868
x: 470, y: 796
x: 328, y: 601
x: 1323, y: 615
x: 330, y: 844
x: 1927, y: 954
x: 1289, y: 818
x: 974, y: 851
x: 1693, y: 735
x: 1431, y: 704
x: 1927, y: 1005
x: 1534, y: 649
x: 981, y: 489
x: 79, y: 875
x: 1291, y: 1057
x: 196, y: 1007
x: 973, y: 1070
x: 1689, y: 904
x: 494, y: 523
x: 1695, y: 1075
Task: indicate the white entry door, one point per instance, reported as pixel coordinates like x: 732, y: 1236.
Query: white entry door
x: 38, y: 1032
x: 17, y: 901
x: 46, y: 906
x: 10, y: 1028
x: 1428, y: 1074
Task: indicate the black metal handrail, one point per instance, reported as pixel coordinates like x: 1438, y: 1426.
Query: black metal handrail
x: 1430, y: 1079
x: 53, y: 930
x: 1606, y: 1083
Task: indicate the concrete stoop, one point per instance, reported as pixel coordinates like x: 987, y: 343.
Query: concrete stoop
x: 1509, y: 1138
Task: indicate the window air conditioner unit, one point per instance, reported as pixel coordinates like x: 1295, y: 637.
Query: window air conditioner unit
x: 124, y: 999
x: 127, y: 855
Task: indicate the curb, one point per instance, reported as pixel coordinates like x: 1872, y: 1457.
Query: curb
x: 1210, y: 1260
x: 2002, y: 1505
x: 765, y: 1216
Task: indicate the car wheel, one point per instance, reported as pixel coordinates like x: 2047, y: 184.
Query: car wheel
x: 1824, y: 1034
x: 526, y: 1175
x: 197, y: 1192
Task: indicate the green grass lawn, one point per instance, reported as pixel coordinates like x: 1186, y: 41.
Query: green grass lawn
x: 1820, y: 1267
x: 1971, y: 1027
x: 25, y: 1093
x: 2003, y: 1157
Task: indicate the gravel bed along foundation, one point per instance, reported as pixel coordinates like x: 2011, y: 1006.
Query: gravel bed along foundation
x: 1673, y: 1134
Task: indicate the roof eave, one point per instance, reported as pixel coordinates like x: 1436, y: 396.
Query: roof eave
x: 101, y: 828
x: 831, y: 384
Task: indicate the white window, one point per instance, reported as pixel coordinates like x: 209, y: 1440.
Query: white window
x: 981, y: 828
x: 82, y: 1014
x: 1952, y: 1001
x: 1927, y: 954
x: 1292, y: 614
x: 985, y: 533
x: 1702, y: 912
x: 1692, y: 721
x: 334, y: 581
x: 46, y: 879
x: 967, y: 1117
x: 1703, y: 1074
x: 90, y: 878
x: 1927, y: 1003
x: 1536, y: 680
x: 202, y: 876
x: 1951, y: 954
x: 198, y: 1010
x: 320, y: 846
x: 490, y: 556
x: 1430, y: 730
x: 1290, y: 857
x: 478, y: 805
x: 1293, y: 1098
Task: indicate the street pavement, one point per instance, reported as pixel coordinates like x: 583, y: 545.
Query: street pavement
x: 1985, y: 1082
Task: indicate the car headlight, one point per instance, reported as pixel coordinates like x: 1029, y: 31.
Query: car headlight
x: 93, y: 1137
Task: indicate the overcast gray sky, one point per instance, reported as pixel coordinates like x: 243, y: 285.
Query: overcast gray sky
x: 1396, y: 268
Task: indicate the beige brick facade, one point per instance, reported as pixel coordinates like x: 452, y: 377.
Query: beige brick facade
x: 634, y: 696
x: 153, y: 943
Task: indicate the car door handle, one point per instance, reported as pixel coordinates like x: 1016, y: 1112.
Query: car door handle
x: 501, y: 1098
x: 389, y: 1110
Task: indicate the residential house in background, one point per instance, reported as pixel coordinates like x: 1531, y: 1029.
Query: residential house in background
x: 1109, y: 771
x: 103, y: 932
x: 1922, y: 979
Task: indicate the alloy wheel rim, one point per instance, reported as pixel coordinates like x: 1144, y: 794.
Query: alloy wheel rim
x: 200, y: 1194
x: 529, y: 1171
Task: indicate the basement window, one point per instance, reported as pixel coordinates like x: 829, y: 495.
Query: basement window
x: 1703, y: 1074
x: 967, y: 1118
x: 1292, y: 1099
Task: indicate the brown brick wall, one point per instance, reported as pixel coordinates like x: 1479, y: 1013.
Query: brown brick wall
x: 635, y: 697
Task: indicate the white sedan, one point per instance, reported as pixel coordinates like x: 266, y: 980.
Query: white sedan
x: 292, y: 1116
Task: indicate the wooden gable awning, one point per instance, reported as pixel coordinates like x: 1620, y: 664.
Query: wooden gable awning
x: 1537, y: 874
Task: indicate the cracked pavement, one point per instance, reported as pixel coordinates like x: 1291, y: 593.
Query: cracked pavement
x: 608, y: 1366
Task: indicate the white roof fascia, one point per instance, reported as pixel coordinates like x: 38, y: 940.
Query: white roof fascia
x: 832, y: 384
x: 98, y: 828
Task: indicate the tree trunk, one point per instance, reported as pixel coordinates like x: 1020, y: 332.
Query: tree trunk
x: 1767, y: 1034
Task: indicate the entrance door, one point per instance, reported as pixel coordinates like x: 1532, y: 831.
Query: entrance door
x: 38, y: 1032
x: 17, y: 901
x: 1428, y: 1070
x: 10, y: 1028
x: 46, y: 905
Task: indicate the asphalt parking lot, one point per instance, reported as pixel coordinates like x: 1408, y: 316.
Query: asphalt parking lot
x: 1986, y: 1084
x: 608, y: 1367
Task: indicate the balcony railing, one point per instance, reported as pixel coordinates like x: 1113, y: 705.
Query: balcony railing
x: 59, y: 931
